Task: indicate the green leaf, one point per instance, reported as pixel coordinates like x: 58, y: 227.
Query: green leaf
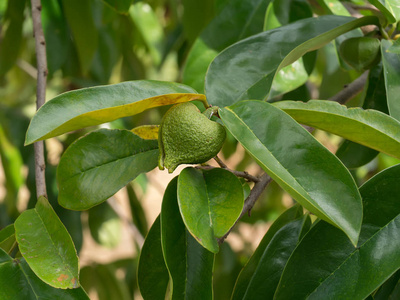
x: 18, y: 281
x: 234, y: 21
x: 210, y: 202
x: 99, y: 164
x: 370, y: 128
x: 102, y: 279
x: 58, y: 41
x: 326, y: 266
x: 265, y: 279
x: 189, y: 264
x: 147, y: 132
x: 354, y: 155
x: 80, y: 19
x: 153, y: 275
x: 149, y: 27
x: 11, y: 35
x: 389, y: 8
x: 281, y: 13
x: 137, y: 211
x: 229, y: 77
x: 47, y: 247
x: 96, y: 105
x: 105, y: 225
x: 245, y: 276
x: 395, y: 48
x: 120, y: 6
x: 390, y: 289
x: 391, y: 65
x: 7, y: 238
x: 197, y: 14
x: 297, y: 162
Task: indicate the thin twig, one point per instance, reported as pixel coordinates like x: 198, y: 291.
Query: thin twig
x: 255, y: 193
x: 242, y: 174
x: 351, y: 90
x: 134, y: 231
x: 40, y: 45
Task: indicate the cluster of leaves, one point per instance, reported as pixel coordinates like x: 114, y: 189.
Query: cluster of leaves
x: 250, y: 57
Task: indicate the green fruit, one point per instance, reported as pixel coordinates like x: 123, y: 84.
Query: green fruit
x: 186, y: 136
x: 361, y: 53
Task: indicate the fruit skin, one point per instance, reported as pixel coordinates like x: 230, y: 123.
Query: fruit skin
x: 186, y: 136
x: 361, y: 53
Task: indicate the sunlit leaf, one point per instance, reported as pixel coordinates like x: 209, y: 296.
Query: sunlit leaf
x: 210, y: 202
x: 297, y: 162
x: 249, y: 270
x: 18, y: 281
x: 235, y: 20
x: 246, y: 69
x: 47, y: 247
x: 7, y: 238
x: 371, y: 128
x: 325, y: 265
x: 189, y: 265
x: 96, y: 166
x: 147, y: 132
x: 96, y: 105
x: 389, y: 8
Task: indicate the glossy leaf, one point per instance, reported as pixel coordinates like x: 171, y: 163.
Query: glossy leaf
x: 189, y: 264
x: 153, y: 275
x: 80, y: 19
x: 11, y: 34
x: 326, y: 265
x: 18, y: 281
x: 235, y: 20
x: 281, y: 13
x: 391, y: 65
x: 7, y: 238
x: 265, y: 279
x: 354, y: 155
x: 121, y: 6
x: 389, y: 8
x: 147, y: 132
x: 96, y: 105
x: 371, y: 128
x: 105, y: 225
x: 137, y: 211
x: 229, y: 77
x: 390, y: 289
x: 96, y: 166
x: 251, y: 266
x: 284, y: 149
x: 47, y: 247
x: 210, y: 202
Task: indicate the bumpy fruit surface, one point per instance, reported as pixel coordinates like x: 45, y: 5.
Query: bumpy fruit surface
x: 186, y: 136
x: 361, y: 53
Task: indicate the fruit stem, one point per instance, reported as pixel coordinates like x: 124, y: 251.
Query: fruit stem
x: 211, y: 111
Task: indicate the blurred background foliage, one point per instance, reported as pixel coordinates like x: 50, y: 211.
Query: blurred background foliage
x: 94, y: 42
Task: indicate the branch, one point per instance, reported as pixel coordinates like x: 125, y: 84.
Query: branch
x: 351, y: 90
x: 40, y: 45
x: 242, y: 174
x: 255, y: 193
